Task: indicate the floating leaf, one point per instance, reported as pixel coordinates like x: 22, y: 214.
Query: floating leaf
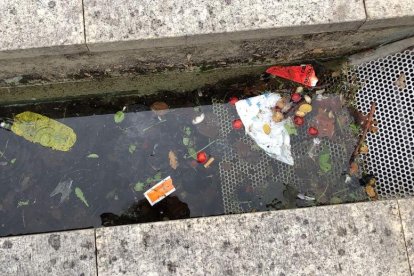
x: 80, y: 195
x: 325, y: 161
x: 22, y: 203
x: 401, y: 81
x: 132, y: 148
x: 192, y: 152
x: 119, y: 117
x: 371, y: 192
x: 173, y: 160
x: 290, y: 128
x: 93, y: 155
x: 187, y: 131
x: 157, y: 176
x: 335, y: 200
x: 139, y: 186
x: 186, y: 141
x: 13, y: 161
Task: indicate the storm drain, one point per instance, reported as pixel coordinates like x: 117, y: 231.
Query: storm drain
x: 389, y: 83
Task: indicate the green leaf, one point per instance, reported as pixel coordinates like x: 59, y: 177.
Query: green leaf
x: 139, y: 186
x: 93, y: 155
x: 80, y: 195
x: 192, y: 152
x: 187, y: 131
x: 335, y: 200
x: 355, y: 129
x: 325, y: 161
x: 22, y: 203
x: 291, y: 128
x: 119, y: 117
x: 13, y: 161
x: 132, y: 148
x: 157, y: 176
x: 186, y: 141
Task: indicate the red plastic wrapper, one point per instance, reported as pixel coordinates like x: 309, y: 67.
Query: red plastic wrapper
x: 303, y: 74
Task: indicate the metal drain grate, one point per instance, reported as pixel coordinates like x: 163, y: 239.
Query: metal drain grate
x: 391, y: 150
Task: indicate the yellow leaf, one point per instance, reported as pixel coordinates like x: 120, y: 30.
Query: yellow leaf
x: 266, y: 129
x: 173, y: 160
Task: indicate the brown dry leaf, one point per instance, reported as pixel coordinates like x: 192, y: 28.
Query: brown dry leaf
x: 173, y: 160
x: 353, y: 168
x: 363, y: 149
x: 371, y: 192
x: 160, y: 108
x: 400, y: 82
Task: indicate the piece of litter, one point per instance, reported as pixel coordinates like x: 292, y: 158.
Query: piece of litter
x: 201, y: 157
x: 303, y: 74
x: 160, y: 191
x: 198, y: 119
x: 257, y: 111
x: 305, y: 197
x: 208, y: 163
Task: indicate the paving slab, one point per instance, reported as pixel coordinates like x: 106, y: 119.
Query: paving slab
x: 355, y: 239
x: 62, y: 253
x: 146, y: 24
x: 40, y: 27
x: 388, y: 13
x: 407, y: 218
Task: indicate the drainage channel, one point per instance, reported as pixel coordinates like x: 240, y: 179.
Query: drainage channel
x: 126, y: 145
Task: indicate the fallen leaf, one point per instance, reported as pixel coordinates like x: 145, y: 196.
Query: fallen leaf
x: 81, y: 196
x: 132, y: 148
x: 371, y: 192
x: 119, y: 117
x: 22, y: 203
x: 363, y: 149
x: 266, y: 129
x: 93, y: 155
x: 353, y: 168
x: 401, y: 81
x: 139, y: 186
x: 64, y: 188
x: 160, y: 108
x: 13, y: 161
x: 173, y: 160
x: 325, y: 161
x: 291, y: 128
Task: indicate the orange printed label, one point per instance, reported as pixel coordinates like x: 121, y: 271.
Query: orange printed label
x: 160, y: 191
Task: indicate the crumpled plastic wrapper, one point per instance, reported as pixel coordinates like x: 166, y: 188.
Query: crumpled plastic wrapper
x: 255, y: 112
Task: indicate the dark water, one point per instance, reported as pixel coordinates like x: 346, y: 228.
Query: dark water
x: 37, y: 184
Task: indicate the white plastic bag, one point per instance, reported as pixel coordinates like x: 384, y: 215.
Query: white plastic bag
x: 255, y: 112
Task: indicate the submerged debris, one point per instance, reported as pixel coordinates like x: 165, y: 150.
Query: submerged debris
x: 64, y: 188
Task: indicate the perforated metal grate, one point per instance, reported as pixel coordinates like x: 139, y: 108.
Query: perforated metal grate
x: 389, y: 83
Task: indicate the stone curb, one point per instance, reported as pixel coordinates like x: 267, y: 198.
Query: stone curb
x: 372, y: 238
x: 33, y: 28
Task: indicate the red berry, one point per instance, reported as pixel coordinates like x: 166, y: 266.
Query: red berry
x: 296, y: 97
x: 298, y: 120
x: 201, y: 157
x: 233, y: 100
x: 237, y: 124
x: 313, y: 131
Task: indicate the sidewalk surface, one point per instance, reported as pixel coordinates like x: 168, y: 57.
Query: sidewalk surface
x: 373, y: 238
x: 49, y: 27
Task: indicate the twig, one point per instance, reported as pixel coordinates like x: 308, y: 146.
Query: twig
x: 326, y: 188
x: 367, y: 126
x: 194, y: 156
